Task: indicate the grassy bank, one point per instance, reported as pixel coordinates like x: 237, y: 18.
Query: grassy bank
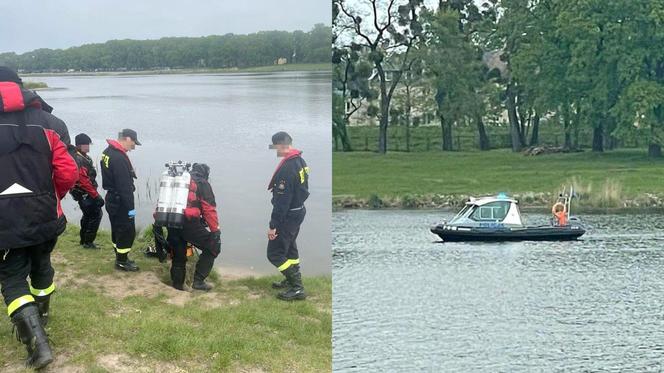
x: 35, y: 85
x: 103, y: 320
x: 257, y: 69
x: 616, y: 179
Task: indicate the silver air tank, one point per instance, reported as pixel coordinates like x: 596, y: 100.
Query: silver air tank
x: 173, y: 194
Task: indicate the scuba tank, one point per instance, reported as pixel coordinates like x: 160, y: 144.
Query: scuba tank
x: 173, y: 194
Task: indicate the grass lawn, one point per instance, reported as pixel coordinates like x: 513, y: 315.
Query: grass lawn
x: 362, y: 174
x: 102, y: 320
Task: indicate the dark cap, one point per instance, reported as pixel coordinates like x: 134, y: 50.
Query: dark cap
x: 281, y: 138
x: 131, y: 134
x: 201, y: 169
x: 82, y: 139
x: 9, y: 75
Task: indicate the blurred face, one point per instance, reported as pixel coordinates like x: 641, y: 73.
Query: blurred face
x: 128, y: 144
x: 84, y: 148
x: 282, y: 150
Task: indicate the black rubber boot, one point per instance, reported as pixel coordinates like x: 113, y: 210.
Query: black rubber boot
x: 31, y: 333
x: 123, y: 263
x: 283, y: 284
x: 43, y: 305
x: 90, y: 245
x: 200, y: 284
x: 296, y: 290
x: 178, y: 273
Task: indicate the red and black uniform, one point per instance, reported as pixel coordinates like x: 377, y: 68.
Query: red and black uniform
x: 290, y: 188
x: 201, y: 229
x: 89, y: 200
x: 117, y: 175
x: 37, y: 172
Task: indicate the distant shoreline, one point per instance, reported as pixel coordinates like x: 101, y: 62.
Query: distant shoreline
x: 322, y: 67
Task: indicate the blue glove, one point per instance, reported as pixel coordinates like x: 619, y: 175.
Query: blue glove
x: 132, y: 213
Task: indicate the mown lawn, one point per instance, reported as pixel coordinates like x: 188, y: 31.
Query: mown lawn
x: 362, y: 174
x: 103, y: 320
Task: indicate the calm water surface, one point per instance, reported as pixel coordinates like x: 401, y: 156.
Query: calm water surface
x: 226, y: 121
x: 405, y: 302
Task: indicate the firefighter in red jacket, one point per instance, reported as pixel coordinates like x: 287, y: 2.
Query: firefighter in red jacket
x: 37, y: 172
x: 201, y: 229
x: 85, y: 192
x: 290, y: 188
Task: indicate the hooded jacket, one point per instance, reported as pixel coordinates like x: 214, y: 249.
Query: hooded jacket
x: 37, y: 171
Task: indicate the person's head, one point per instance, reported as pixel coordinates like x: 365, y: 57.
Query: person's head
x: 201, y: 169
x: 83, y: 142
x: 128, y: 139
x: 282, y: 142
x: 558, y: 207
x: 9, y: 75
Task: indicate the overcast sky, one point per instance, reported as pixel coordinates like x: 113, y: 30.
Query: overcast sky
x: 28, y: 25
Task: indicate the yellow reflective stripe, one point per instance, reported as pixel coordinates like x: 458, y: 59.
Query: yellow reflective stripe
x: 288, y: 263
x: 18, y: 303
x: 42, y: 292
x: 285, y: 266
x: 123, y: 251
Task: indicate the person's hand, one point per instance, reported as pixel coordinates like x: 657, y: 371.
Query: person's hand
x: 99, y: 201
x: 132, y: 214
x: 272, y: 234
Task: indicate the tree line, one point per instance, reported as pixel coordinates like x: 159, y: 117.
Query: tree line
x: 217, y: 51
x: 587, y: 66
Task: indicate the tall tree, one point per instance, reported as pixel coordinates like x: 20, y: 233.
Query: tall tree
x: 390, y: 27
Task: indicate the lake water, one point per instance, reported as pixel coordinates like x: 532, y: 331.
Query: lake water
x: 226, y: 121
x: 405, y: 302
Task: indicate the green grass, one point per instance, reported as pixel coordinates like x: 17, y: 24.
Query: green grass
x: 35, y: 85
x: 363, y: 174
x: 100, y: 317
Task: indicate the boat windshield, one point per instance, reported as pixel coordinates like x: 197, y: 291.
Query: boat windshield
x: 461, y: 213
x: 494, y: 211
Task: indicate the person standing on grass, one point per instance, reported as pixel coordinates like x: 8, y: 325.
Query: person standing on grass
x: 85, y: 192
x: 201, y: 228
x: 37, y: 172
x: 290, y: 188
x: 117, y: 175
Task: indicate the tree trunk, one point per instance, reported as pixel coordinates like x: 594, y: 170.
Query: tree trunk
x: 655, y: 151
x: 567, y: 145
x: 342, y: 133
x: 517, y: 144
x: 484, y: 139
x: 534, y: 136
x: 598, y: 138
x: 408, y: 112
x: 446, y: 128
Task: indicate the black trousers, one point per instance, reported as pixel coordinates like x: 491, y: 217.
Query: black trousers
x: 16, y: 265
x: 195, y: 233
x: 123, y: 228
x: 90, y: 220
x: 282, y: 251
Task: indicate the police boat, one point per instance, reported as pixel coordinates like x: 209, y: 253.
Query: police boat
x: 497, y: 218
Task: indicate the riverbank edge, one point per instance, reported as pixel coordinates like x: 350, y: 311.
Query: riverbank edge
x: 528, y: 202
x: 305, y: 67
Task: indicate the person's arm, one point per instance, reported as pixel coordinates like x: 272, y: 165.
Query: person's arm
x: 65, y: 171
x: 208, y: 206
x: 86, y: 185
x: 124, y: 182
x: 282, y: 194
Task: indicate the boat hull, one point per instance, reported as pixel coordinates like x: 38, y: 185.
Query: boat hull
x: 547, y: 233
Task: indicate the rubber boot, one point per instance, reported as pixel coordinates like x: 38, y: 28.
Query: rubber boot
x: 296, y: 290
x: 43, y: 305
x: 31, y: 333
x: 283, y: 284
x: 178, y: 273
x: 200, y: 284
x: 123, y: 263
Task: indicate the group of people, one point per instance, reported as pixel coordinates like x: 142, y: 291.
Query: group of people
x: 40, y: 167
